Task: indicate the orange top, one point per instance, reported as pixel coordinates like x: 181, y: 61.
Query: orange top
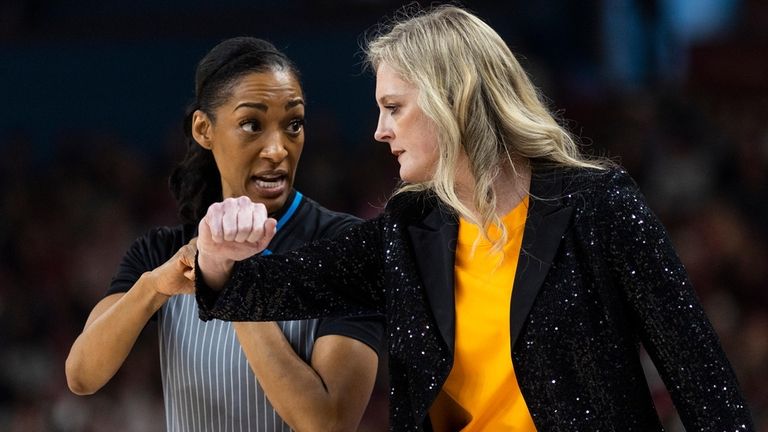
x: 481, y: 393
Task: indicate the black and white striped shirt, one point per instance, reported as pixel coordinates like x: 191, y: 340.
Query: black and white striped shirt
x: 207, y: 382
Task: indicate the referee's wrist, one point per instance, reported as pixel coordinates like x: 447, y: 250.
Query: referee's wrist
x: 156, y: 297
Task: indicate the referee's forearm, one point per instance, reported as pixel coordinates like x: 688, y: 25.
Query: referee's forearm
x: 109, y: 335
x: 293, y: 387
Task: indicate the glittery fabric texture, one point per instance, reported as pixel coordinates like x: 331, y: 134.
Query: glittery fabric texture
x: 597, y: 278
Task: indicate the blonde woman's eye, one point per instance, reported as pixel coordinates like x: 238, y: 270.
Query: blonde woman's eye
x: 392, y: 108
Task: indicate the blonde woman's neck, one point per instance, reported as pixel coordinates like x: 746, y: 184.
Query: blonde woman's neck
x: 511, y: 187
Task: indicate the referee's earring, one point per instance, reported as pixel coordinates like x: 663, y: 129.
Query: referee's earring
x: 201, y: 129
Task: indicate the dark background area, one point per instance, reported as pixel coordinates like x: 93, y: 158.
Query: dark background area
x: 92, y: 95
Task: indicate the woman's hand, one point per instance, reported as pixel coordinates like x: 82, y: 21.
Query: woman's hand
x: 177, y: 275
x: 232, y: 230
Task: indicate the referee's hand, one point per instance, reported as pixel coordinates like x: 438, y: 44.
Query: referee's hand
x: 177, y: 275
x: 232, y: 230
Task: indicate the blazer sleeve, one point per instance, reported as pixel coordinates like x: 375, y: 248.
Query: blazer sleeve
x: 672, y: 324
x: 329, y: 277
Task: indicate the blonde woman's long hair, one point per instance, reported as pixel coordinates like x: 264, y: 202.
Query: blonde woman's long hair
x: 481, y: 101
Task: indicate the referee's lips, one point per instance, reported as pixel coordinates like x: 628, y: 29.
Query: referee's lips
x: 269, y: 184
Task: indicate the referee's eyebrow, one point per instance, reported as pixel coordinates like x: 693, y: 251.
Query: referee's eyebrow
x: 264, y: 107
x: 257, y: 105
x: 293, y: 103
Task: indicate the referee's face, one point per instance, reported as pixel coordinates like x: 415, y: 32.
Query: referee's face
x: 257, y: 136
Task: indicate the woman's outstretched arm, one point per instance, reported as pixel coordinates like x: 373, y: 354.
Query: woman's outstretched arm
x: 342, y: 276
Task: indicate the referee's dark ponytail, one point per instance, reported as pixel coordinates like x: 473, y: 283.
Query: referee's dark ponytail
x: 196, y: 182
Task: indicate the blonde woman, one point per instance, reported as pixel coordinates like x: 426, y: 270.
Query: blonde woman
x: 517, y: 276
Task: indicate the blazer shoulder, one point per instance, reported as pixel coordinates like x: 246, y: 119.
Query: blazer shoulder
x: 594, y: 181
x: 412, y: 204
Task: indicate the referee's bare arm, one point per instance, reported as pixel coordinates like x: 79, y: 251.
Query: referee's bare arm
x: 116, y: 321
x: 330, y: 394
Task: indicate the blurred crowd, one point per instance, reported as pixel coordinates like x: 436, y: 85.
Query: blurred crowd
x: 698, y: 147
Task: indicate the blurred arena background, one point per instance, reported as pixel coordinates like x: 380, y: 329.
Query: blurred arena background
x: 92, y: 94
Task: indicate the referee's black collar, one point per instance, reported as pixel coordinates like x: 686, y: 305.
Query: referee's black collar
x: 287, y: 204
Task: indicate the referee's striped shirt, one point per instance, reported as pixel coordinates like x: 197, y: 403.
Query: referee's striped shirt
x: 207, y: 382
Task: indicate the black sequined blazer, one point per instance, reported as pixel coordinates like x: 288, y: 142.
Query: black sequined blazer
x: 596, y: 278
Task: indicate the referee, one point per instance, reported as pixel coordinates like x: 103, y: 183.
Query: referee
x: 246, y: 131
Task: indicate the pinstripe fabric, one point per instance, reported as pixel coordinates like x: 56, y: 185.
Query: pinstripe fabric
x: 207, y: 383
x: 204, y: 368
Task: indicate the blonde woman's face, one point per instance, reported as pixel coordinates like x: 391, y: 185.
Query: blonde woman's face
x: 403, y: 125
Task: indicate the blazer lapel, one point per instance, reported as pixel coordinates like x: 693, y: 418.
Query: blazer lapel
x: 546, y: 223
x: 434, y: 241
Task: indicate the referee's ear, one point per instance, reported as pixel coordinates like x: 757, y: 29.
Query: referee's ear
x: 201, y: 129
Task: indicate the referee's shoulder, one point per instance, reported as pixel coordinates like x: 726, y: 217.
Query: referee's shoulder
x: 170, y: 236
x: 328, y: 223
